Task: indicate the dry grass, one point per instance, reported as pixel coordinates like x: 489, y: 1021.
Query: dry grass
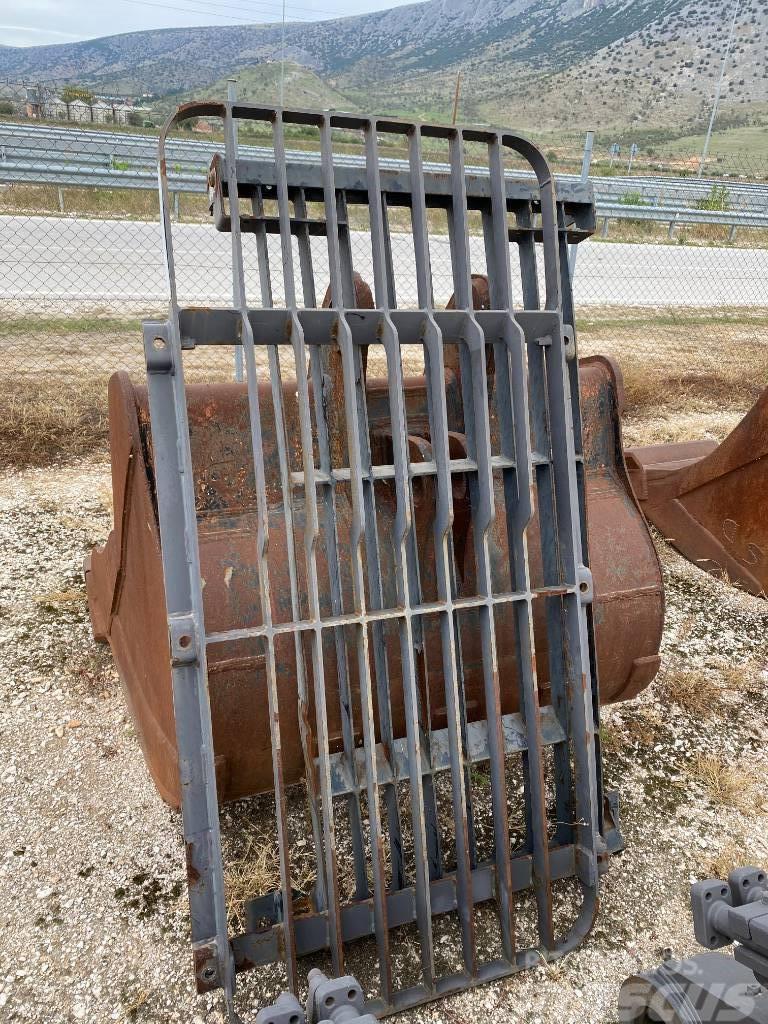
x: 253, y: 869
x: 745, y: 678
x: 731, y: 855
x: 682, y: 380
x: 683, y: 362
x: 688, y: 374
x: 643, y: 726
x: 83, y: 202
x: 694, y: 692
x: 725, y: 784
x: 56, y: 600
x: 48, y: 420
x: 254, y: 872
x: 611, y: 738
x: 639, y: 428
x: 133, y: 1002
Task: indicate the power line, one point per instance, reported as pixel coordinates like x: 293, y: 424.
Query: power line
x: 262, y: 3
x: 282, y: 60
x: 208, y: 12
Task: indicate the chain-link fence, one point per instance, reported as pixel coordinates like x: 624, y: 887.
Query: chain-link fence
x: 674, y: 282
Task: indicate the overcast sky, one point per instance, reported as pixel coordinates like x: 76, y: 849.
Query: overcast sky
x: 37, y: 22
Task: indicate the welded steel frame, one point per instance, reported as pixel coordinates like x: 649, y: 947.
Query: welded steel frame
x: 537, y: 404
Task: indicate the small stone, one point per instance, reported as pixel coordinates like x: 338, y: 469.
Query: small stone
x: 59, y: 730
x: 74, y: 723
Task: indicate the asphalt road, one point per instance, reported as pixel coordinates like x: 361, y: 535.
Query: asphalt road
x: 62, y: 265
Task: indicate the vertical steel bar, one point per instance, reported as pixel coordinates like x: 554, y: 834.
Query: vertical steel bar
x: 514, y: 432
x: 388, y: 264
x: 184, y: 607
x: 184, y: 602
x: 549, y: 547
x: 344, y: 339
x: 576, y: 641
x: 444, y: 561
x: 262, y: 544
x: 476, y: 413
x: 330, y: 541
x: 527, y: 251
x: 346, y: 290
x: 572, y: 372
x: 262, y: 251
x: 402, y: 529
x: 305, y: 251
x: 311, y: 535
x: 575, y: 648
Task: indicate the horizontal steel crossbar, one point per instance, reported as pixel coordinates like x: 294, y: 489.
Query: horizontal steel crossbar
x: 347, y: 778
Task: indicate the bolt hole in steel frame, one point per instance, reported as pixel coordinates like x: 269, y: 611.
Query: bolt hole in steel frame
x: 482, y: 832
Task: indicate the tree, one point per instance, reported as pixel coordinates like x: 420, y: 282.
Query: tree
x: 135, y: 119
x: 76, y: 92
x: 70, y: 93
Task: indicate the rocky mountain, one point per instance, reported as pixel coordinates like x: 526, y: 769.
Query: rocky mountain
x: 528, y: 60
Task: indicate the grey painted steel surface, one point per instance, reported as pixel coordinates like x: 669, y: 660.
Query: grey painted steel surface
x: 712, y: 988
x: 537, y: 450
x: 330, y: 1001
x: 707, y: 989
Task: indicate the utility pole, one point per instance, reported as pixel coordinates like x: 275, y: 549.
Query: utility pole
x: 282, y: 60
x: 719, y: 89
x: 232, y: 98
x: 456, y: 97
x: 586, y: 163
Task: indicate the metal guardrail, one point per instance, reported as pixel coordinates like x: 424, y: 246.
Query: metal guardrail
x: 66, y: 157
x: 675, y: 216
x: 46, y: 147
x: 79, y: 175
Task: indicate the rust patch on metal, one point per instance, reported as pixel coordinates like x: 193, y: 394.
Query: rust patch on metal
x: 193, y: 875
x: 206, y: 975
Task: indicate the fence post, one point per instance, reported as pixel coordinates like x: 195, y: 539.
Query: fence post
x: 60, y: 191
x: 232, y: 97
x: 604, y: 232
x: 586, y: 161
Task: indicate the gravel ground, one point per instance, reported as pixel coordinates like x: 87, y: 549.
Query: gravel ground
x: 93, y: 915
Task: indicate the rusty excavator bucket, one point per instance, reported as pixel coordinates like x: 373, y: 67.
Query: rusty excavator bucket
x: 710, y: 500
x: 125, y: 579
x: 392, y: 573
